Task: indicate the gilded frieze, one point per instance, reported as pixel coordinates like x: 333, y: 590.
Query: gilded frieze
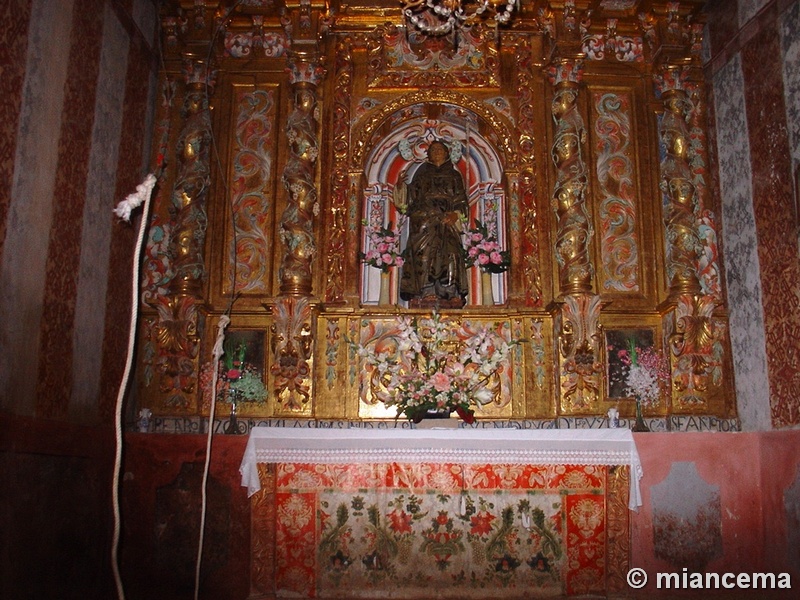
x: 335, y: 257
x: 613, y: 46
x: 401, y: 57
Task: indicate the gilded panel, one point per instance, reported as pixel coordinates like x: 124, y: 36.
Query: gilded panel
x: 614, y: 153
x: 250, y: 244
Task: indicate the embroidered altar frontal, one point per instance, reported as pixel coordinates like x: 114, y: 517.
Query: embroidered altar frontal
x: 459, y: 531
x: 461, y: 513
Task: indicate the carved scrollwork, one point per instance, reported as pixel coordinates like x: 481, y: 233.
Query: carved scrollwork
x: 580, y: 349
x: 406, y: 58
x: 693, y: 348
x: 291, y: 344
x: 177, y: 343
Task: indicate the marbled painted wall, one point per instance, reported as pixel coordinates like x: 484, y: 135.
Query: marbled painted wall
x: 30, y: 212
x: 775, y: 220
x: 741, y: 259
x: 78, y: 85
x: 748, y: 9
x: 96, y: 227
x: 754, y: 116
x: 14, y: 18
x: 789, y: 29
x: 74, y: 140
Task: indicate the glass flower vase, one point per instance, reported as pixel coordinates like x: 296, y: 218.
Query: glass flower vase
x: 233, y: 427
x: 487, y: 297
x: 639, y: 425
x: 385, y: 299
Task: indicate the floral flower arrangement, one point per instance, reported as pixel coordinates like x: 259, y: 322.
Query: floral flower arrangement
x: 648, y: 373
x: 483, y: 249
x: 237, y: 380
x: 383, y: 248
x: 431, y: 367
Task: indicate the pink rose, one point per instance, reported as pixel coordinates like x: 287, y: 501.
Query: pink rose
x: 496, y: 258
x: 440, y: 382
x: 483, y: 259
x: 387, y: 258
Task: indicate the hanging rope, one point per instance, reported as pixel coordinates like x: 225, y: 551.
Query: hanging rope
x: 217, y: 353
x: 143, y: 194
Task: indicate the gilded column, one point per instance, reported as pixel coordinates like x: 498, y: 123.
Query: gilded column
x: 574, y: 230
x: 176, y: 329
x: 296, y: 227
x: 291, y: 373
x: 694, y: 336
x: 577, y: 323
x: 190, y: 191
x: 680, y: 219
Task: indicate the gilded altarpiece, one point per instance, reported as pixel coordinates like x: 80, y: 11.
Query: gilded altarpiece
x: 574, y: 130
x: 579, y: 130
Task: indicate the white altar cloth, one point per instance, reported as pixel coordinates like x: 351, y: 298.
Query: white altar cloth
x: 457, y: 446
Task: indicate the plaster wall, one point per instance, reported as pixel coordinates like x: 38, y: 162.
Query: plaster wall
x: 756, y: 478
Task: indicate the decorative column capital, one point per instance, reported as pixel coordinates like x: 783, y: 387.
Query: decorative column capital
x: 670, y: 78
x: 198, y: 73
x: 565, y: 72
x: 302, y: 71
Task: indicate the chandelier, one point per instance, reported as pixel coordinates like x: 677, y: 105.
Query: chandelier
x: 439, y: 17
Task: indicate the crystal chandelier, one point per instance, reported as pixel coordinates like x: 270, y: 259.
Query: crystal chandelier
x: 439, y: 17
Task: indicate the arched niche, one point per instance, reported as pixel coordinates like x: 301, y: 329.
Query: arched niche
x: 399, y: 151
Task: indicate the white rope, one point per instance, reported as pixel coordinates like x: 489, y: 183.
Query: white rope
x: 217, y: 353
x: 143, y: 194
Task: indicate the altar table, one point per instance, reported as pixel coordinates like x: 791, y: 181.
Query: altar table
x: 458, y: 446
x: 451, y: 513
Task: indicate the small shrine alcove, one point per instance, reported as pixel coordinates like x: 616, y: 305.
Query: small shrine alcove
x: 397, y: 156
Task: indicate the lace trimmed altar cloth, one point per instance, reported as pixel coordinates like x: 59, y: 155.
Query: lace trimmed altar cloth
x: 611, y: 447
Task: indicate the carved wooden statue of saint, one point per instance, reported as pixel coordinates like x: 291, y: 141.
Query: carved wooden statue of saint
x: 434, y: 273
